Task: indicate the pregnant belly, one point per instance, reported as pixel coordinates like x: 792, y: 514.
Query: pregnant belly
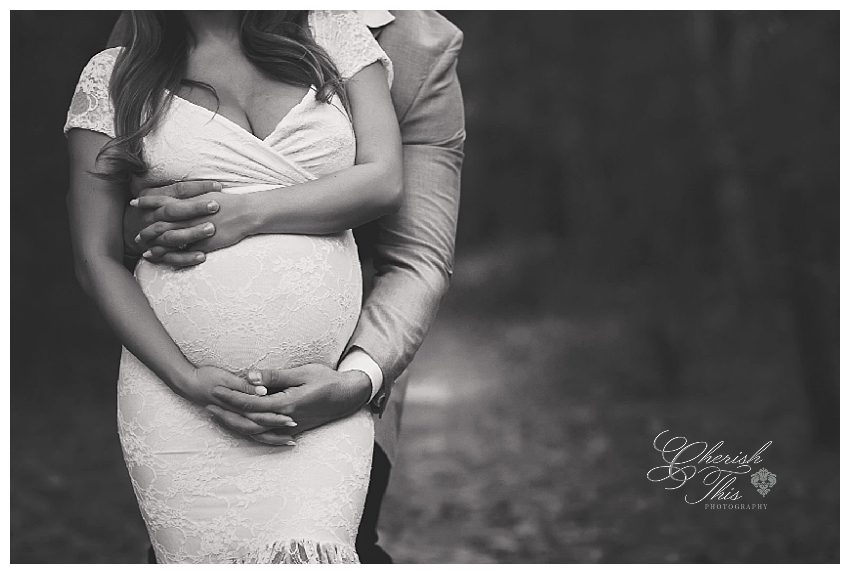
x: 270, y: 301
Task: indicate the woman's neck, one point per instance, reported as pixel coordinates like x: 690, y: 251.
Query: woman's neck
x: 219, y: 26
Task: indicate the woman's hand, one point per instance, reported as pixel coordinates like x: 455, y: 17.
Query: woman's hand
x: 199, y: 383
x: 235, y: 218
x: 201, y: 387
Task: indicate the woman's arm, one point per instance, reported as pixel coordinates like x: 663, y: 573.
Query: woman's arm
x: 343, y: 200
x: 354, y: 196
x: 95, y: 209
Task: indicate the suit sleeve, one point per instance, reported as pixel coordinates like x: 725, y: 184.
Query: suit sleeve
x: 414, y: 251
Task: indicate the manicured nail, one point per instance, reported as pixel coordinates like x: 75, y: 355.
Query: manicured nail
x: 134, y: 202
x: 147, y: 254
x: 292, y: 424
x: 261, y: 390
x: 209, y: 228
x: 138, y: 238
x: 290, y: 443
x: 212, y: 206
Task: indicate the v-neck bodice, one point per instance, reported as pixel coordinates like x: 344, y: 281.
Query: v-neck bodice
x: 313, y: 139
x: 311, y: 91
x: 191, y: 142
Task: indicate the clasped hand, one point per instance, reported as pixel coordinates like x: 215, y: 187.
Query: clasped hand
x: 290, y: 401
x: 179, y: 224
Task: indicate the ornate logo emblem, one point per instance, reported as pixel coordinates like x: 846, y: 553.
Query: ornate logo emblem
x: 763, y: 480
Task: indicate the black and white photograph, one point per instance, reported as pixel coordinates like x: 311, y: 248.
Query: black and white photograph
x: 480, y: 286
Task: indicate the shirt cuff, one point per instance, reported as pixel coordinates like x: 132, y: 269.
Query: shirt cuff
x: 359, y: 360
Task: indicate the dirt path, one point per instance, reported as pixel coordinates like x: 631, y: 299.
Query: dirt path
x: 524, y: 442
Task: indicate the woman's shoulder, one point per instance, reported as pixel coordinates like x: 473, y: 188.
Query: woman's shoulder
x: 100, y: 66
x: 91, y: 106
x: 337, y: 29
x: 95, y: 77
x: 347, y: 40
x: 329, y: 20
x: 106, y: 57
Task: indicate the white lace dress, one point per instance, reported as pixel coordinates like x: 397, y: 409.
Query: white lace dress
x: 271, y: 301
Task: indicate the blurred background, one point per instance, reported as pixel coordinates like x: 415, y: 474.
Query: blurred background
x: 648, y: 240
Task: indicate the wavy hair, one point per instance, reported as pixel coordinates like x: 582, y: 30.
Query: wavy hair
x: 151, y: 69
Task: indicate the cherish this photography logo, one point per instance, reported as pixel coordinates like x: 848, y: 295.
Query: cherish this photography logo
x: 709, y: 475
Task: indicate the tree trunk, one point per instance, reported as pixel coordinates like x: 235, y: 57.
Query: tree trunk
x: 721, y: 83
x: 814, y: 302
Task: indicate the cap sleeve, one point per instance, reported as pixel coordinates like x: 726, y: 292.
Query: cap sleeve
x: 348, y: 42
x: 91, y: 107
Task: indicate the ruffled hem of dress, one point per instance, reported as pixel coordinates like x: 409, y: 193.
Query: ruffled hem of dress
x: 301, y: 552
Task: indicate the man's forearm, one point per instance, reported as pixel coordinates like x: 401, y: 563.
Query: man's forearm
x: 414, y: 251
x: 413, y: 259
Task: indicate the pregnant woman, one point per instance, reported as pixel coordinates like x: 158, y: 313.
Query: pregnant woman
x: 266, y: 103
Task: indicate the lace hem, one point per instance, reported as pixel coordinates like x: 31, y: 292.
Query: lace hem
x: 301, y: 552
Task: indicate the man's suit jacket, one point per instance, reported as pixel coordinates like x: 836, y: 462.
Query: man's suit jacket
x: 412, y: 251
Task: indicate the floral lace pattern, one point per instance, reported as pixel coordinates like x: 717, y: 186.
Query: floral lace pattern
x: 91, y: 107
x: 270, y: 301
x: 348, y: 42
x: 209, y: 496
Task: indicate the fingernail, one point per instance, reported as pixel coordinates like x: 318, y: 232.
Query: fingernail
x: 209, y: 228
x: 138, y: 238
x: 147, y: 254
x: 255, y: 376
x: 261, y: 390
x: 292, y: 424
x: 217, y: 186
x: 290, y: 443
x: 212, y: 206
x: 134, y: 202
x: 200, y: 257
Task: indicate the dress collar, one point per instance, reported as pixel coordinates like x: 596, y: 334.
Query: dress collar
x: 375, y: 18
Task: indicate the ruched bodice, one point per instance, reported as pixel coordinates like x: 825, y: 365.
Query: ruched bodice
x: 312, y: 140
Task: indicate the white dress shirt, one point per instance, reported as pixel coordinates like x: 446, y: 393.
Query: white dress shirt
x: 359, y: 360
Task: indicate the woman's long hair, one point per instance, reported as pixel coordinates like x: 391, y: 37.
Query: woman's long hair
x: 151, y: 69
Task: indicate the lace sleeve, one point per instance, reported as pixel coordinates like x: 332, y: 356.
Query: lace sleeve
x: 91, y: 107
x: 348, y: 42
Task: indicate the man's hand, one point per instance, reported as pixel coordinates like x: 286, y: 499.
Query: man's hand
x: 234, y: 219
x: 178, y: 215
x: 310, y: 395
